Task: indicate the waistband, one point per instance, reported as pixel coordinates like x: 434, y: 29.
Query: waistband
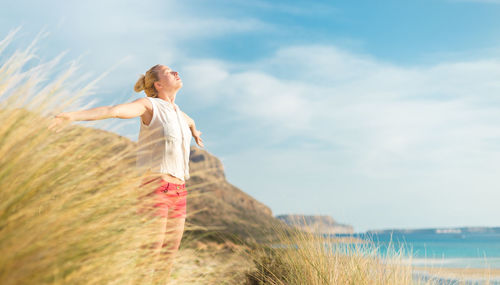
x: 165, y: 185
x: 164, y: 182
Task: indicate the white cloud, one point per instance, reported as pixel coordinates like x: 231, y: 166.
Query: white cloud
x: 205, y: 78
x: 391, y: 120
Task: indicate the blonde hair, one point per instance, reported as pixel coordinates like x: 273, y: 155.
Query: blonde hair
x: 146, y: 82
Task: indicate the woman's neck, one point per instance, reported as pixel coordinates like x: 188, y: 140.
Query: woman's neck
x: 168, y: 96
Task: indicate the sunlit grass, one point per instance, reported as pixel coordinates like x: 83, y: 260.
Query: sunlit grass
x: 301, y: 257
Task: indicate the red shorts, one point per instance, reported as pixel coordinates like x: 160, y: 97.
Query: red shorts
x: 170, y: 200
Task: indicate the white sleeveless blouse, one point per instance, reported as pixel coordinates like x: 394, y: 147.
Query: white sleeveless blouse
x: 164, y: 144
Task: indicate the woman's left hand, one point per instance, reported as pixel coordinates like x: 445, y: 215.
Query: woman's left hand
x: 197, y: 137
x: 58, y: 122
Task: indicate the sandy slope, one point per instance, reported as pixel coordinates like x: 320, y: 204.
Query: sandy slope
x: 211, y: 263
x: 462, y: 273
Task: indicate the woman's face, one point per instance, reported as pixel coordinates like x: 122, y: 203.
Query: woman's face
x: 168, y: 79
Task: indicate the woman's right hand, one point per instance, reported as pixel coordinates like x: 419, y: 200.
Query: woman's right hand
x: 59, y: 122
x: 197, y: 137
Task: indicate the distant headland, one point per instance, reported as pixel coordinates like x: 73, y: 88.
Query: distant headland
x: 460, y: 230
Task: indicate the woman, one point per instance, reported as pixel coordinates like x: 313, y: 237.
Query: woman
x: 164, y: 148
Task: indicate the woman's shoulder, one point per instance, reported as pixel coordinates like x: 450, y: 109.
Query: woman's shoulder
x: 146, y: 102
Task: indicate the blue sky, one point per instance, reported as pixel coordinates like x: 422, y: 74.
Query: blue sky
x: 382, y: 114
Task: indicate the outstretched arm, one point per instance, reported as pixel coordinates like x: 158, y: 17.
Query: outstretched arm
x: 121, y: 111
x: 190, y: 121
x: 192, y: 126
x: 98, y: 113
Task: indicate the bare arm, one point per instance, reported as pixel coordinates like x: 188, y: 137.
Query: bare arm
x: 190, y: 121
x: 98, y: 113
x: 121, y: 111
x: 196, y: 133
x: 131, y: 110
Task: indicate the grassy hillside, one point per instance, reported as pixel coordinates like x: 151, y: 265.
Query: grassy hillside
x: 216, y: 204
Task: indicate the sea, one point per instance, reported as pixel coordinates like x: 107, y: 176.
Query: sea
x: 448, y: 248
x: 455, y: 250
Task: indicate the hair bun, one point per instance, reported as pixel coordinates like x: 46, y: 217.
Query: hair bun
x: 139, y: 85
